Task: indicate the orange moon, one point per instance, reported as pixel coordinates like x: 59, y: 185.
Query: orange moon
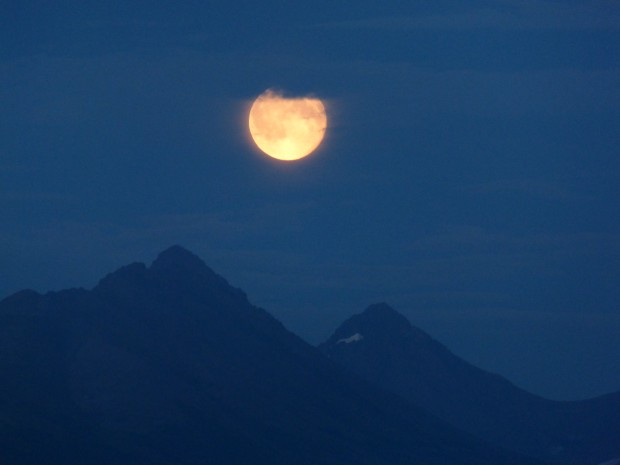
x: 287, y: 128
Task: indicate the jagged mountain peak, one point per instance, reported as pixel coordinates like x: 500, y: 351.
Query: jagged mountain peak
x: 175, y: 271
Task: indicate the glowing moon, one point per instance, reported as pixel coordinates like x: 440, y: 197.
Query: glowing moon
x: 287, y: 128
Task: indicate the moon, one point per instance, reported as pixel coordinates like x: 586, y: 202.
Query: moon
x: 287, y: 128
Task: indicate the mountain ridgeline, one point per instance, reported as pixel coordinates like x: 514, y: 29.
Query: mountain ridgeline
x: 169, y: 364
x: 383, y: 347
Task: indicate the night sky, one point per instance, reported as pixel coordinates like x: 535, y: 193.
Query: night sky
x: 470, y: 175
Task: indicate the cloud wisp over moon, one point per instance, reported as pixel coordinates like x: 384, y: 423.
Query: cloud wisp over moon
x: 287, y: 128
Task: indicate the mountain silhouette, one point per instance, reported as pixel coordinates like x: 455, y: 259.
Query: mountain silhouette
x: 169, y: 364
x: 383, y: 347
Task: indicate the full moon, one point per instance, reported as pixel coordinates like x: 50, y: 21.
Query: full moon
x: 287, y: 128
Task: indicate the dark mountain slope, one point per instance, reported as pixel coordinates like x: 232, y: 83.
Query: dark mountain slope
x: 383, y: 347
x: 171, y: 365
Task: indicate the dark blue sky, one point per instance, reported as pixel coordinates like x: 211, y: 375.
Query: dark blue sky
x: 470, y: 174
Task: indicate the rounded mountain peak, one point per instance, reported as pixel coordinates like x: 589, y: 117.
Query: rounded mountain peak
x: 177, y: 257
x: 379, y: 321
x: 382, y: 313
x: 181, y: 269
x: 179, y: 264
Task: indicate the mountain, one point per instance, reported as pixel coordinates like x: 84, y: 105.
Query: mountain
x: 169, y: 364
x: 383, y: 347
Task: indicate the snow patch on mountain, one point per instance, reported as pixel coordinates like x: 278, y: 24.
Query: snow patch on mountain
x: 347, y: 340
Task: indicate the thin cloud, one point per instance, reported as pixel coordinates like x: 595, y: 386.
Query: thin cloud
x: 503, y: 15
x: 547, y: 189
x: 14, y: 196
